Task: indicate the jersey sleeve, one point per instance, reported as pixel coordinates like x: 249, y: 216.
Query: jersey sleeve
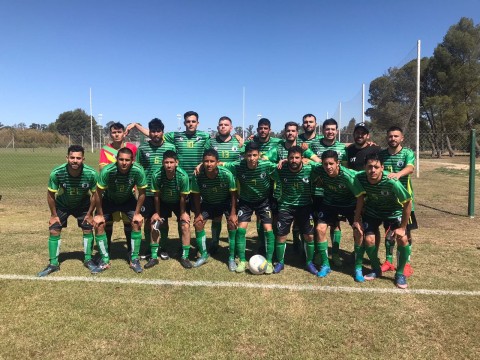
x: 169, y: 137
x: 154, y: 181
x: 400, y: 191
x: 308, y: 153
x: 232, y: 184
x: 102, y: 181
x: 141, y: 179
x: 53, y: 182
x: 410, y: 158
x: 232, y: 166
x: 272, y: 155
x: 354, y: 185
x: 194, y: 186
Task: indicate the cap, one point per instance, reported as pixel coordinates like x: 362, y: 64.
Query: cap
x: 362, y: 126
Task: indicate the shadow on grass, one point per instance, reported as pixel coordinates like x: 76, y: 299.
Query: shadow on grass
x: 440, y: 210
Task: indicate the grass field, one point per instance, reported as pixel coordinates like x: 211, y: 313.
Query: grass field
x: 210, y: 313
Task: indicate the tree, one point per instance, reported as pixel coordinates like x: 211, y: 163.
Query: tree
x: 75, y: 122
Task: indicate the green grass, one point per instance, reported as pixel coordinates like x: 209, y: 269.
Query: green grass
x: 78, y: 320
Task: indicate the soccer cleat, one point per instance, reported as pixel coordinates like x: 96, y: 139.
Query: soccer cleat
x: 311, y: 268
x: 48, y: 270
x: 278, y: 267
x: 151, y: 263
x: 387, y: 266
x: 269, y: 269
x: 186, y: 263
x: 163, y: 254
x: 242, y: 265
x: 373, y: 275
x: 135, y: 266
x: 90, y: 265
x: 358, y: 276
x: 213, y: 249
x: 336, y: 260
x: 200, y: 261
x: 232, y: 265
x: 324, y: 271
x: 408, y: 270
x: 102, y: 266
x: 401, y: 281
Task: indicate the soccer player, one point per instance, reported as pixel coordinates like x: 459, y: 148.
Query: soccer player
x: 254, y: 179
x: 150, y: 155
x: 108, y: 155
x: 70, y: 192
x: 400, y: 162
x: 357, y: 151
x: 294, y: 181
x: 115, y: 193
x: 171, y: 187
x: 340, y: 193
x: 216, y: 186
x: 329, y: 142
x: 309, y: 125
x: 385, y: 201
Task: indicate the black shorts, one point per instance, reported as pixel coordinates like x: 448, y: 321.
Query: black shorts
x: 262, y: 210
x: 412, y: 222
x: 128, y: 208
x: 302, y: 216
x: 63, y: 215
x: 166, y: 210
x: 328, y: 214
x: 370, y: 225
x: 148, y: 207
x: 212, y: 211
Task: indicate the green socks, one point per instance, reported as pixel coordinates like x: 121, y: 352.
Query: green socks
x: 88, y: 246
x: 269, y: 246
x: 309, y: 251
x: 372, y: 255
x: 404, y: 252
x: 185, y: 251
x: 231, y: 243
x: 280, y: 248
x: 103, y: 247
x: 359, y: 252
x: 336, y: 237
x: 136, y: 241
x: 322, y: 249
x: 241, y: 243
x: 154, y: 250
x: 201, y: 242
x: 54, y: 248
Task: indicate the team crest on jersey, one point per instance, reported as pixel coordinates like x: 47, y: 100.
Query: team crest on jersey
x: 243, y: 176
x: 223, y: 185
x: 216, y: 148
x: 341, y: 186
x: 234, y: 148
x: 180, y: 138
x: 306, y: 180
x: 385, y: 192
x: 84, y: 186
x: 240, y: 213
x: 204, y: 186
x: 64, y: 185
x: 400, y: 163
x: 285, y: 180
x: 198, y: 138
x: 263, y: 175
x: 339, y: 154
x: 147, y: 155
x: 130, y: 181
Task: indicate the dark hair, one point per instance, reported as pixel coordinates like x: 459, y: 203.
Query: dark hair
x: 251, y: 146
x: 374, y: 157
x: 330, y: 121
x: 294, y: 150
x: 308, y: 115
x: 394, y: 128
x: 210, y: 152
x: 225, y: 118
x: 125, y: 150
x: 156, y: 124
x: 330, y: 154
x: 76, y: 148
x: 116, y: 126
x: 290, y: 123
x: 170, y: 154
x: 190, y: 113
x: 264, y: 121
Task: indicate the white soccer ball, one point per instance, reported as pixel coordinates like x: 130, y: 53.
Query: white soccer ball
x: 257, y: 264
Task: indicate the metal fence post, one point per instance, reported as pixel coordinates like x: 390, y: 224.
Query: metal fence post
x: 471, y: 182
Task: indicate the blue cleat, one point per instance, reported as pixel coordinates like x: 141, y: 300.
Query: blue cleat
x: 311, y: 268
x: 373, y: 275
x: 48, y: 270
x: 232, y: 265
x: 324, y: 271
x: 135, y: 266
x: 201, y: 261
x: 278, y: 267
x: 401, y: 281
x: 359, y: 276
x: 90, y: 265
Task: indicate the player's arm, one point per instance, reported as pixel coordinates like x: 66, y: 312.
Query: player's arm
x: 198, y: 213
x: 53, y: 208
x: 98, y: 218
x: 240, y: 140
x: 357, y: 219
x: 137, y: 217
x: 407, y: 170
x: 233, y: 219
x: 89, y: 215
x: 137, y: 126
x: 184, y: 216
x: 407, y: 209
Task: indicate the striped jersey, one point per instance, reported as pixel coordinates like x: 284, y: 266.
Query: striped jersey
x: 119, y: 187
x: 170, y: 189
x: 217, y: 190
x: 72, y: 191
x: 341, y: 190
x: 264, y: 147
x: 227, y: 150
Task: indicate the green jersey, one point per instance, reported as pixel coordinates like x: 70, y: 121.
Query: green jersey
x: 217, y: 190
x: 341, y: 190
x: 119, y: 187
x: 301, y: 139
x: 72, y: 192
x: 385, y: 199
x: 294, y: 188
x: 227, y: 150
x: 397, y: 162
x: 264, y: 147
x: 277, y: 152
x: 253, y: 184
x: 190, y: 148
x: 151, y: 157
x: 170, y: 189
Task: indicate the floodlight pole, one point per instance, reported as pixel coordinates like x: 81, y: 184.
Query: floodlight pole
x: 243, y: 118
x: 418, y: 109
x: 91, y: 120
x: 339, y: 120
x: 363, y: 103
x: 471, y: 182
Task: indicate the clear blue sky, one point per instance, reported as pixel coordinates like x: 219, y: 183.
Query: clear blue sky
x: 146, y: 59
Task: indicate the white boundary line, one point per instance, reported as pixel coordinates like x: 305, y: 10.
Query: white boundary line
x: 226, y: 284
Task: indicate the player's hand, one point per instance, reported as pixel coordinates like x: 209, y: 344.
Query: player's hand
x: 371, y: 143
x: 304, y: 146
x: 198, y: 169
x: 185, y: 217
x: 155, y: 217
x: 129, y: 127
x: 393, y: 176
x: 137, y: 219
x: 399, y: 233
x: 250, y: 137
x: 281, y: 162
x: 88, y: 219
x: 53, y: 220
x: 305, y: 161
x: 198, y: 219
x: 233, y: 220
x: 239, y: 139
x: 98, y: 220
x: 356, y: 226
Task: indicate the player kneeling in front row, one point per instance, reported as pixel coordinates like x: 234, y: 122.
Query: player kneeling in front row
x: 385, y: 201
x: 70, y: 192
x: 115, y: 193
x: 216, y: 186
x: 171, y: 187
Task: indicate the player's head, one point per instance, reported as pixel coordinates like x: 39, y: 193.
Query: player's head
x: 224, y: 126
x: 190, y: 120
x: 394, y: 136
x: 361, y: 134
x: 309, y: 123
x: 263, y: 129
x: 124, y: 159
x: 252, y: 154
x: 330, y: 163
x: 170, y: 160
x: 294, y: 158
x: 330, y: 129
x: 210, y: 159
x: 290, y: 131
x: 117, y: 132
x: 75, y: 156
x: 155, y: 128
x: 373, y: 167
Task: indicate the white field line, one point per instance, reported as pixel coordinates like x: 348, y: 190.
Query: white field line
x: 226, y: 284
